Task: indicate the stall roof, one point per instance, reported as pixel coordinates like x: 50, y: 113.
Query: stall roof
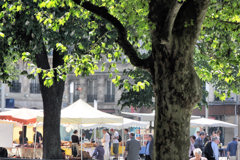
x: 23, y: 115
x: 148, y: 116
x: 205, y: 122
x: 81, y: 112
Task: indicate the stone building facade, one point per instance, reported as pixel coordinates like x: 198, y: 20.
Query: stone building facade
x: 26, y: 93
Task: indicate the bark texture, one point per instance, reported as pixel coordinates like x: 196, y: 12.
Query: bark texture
x: 52, y: 102
x: 176, y: 85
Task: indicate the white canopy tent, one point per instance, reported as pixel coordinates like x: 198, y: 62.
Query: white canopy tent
x: 205, y: 122
x: 148, y: 116
x: 81, y: 113
x: 24, y: 115
x: 126, y: 124
x: 143, y: 116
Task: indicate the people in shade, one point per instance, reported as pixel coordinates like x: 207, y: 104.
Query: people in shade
x: 149, y: 148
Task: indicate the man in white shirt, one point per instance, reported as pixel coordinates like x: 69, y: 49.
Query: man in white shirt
x: 115, y: 143
x: 105, y: 141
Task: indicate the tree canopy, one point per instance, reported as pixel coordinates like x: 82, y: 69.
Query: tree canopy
x: 158, y: 36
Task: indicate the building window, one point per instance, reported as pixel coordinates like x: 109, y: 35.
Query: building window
x: 110, y: 91
x: 91, y: 90
x: 35, y: 86
x: 15, y: 87
x: 76, y: 92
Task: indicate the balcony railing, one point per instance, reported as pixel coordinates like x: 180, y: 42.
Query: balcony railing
x: 15, y: 87
x: 35, y: 88
x: 217, y: 101
x: 91, y: 98
x: 109, y: 98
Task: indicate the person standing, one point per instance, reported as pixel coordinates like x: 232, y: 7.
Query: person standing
x: 105, y: 141
x: 115, y: 143
x: 232, y: 149
x: 214, y: 145
x: 132, y: 148
x: 149, y: 148
x: 126, y: 135
x: 197, y: 134
x: 199, y: 143
x: 191, y: 148
x: 110, y: 142
x: 37, y: 137
x: 22, y: 139
x: 75, y: 143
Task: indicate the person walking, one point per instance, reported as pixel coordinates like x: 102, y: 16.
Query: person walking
x: 149, y: 148
x: 115, y: 143
x: 199, y: 143
x: 232, y: 149
x: 132, y: 148
x: 105, y: 141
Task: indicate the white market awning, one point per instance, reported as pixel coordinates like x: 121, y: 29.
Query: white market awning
x: 148, y: 116
x: 81, y: 112
x: 205, y: 122
x: 127, y: 123
x: 23, y: 115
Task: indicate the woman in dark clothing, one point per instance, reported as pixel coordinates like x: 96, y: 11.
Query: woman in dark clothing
x: 75, y: 143
x: 22, y: 139
x: 99, y: 151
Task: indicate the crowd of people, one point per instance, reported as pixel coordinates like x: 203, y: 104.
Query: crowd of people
x: 112, y: 139
x: 204, y: 147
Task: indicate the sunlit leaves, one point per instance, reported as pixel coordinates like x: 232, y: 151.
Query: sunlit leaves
x: 1, y: 35
x: 137, y: 88
x: 217, y: 56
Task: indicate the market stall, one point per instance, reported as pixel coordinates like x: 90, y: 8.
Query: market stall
x: 81, y: 113
x: 21, y: 117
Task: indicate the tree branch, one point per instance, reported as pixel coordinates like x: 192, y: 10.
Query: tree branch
x: 190, y: 18
x: 169, y: 21
x: 122, y: 34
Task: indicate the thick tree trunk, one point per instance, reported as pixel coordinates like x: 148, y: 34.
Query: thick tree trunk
x: 52, y: 103
x: 176, y: 91
x: 176, y: 26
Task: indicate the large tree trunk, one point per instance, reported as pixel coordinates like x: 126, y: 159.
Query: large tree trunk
x: 52, y: 103
x: 176, y: 85
x: 176, y: 91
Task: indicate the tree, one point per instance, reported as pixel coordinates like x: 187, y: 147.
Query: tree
x: 217, y: 52
x: 174, y: 27
x: 133, y: 96
x: 169, y: 31
x: 26, y: 33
